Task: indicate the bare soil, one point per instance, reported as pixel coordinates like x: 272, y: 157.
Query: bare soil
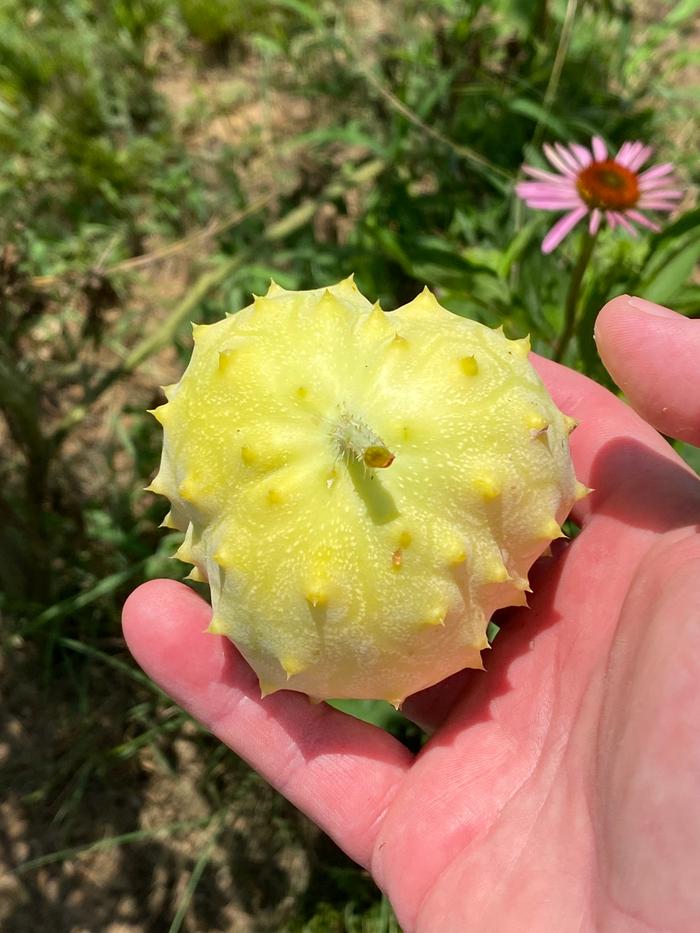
x: 263, y: 862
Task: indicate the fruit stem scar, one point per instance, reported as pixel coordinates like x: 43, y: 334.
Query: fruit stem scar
x: 378, y: 456
x: 355, y: 440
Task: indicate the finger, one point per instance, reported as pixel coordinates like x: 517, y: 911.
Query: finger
x: 653, y: 355
x: 341, y: 772
x: 627, y: 462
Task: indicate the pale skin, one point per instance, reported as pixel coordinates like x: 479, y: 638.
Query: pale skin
x: 560, y: 790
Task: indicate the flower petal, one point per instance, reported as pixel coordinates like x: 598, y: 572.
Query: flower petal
x: 568, y: 157
x: 665, y: 193
x: 582, y: 153
x: 643, y: 221
x: 542, y: 204
x: 649, y: 204
x: 572, y: 199
x: 600, y: 150
x: 526, y: 188
x: 546, y: 196
x: 611, y: 218
x: 656, y: 171
x: 640, y: 157
x: 622, y: 152
x: 667, y: 199
x: 556, y: 161
x: 560, y: 229
x: 656, y: 184
x: 594, y: 222
x: 543, y: 175
x: 550, y: 195
x: 624, y: 222
x: 628, y: 151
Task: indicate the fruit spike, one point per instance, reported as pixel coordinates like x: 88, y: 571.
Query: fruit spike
x: 362, y: 489
x: 197, y: 576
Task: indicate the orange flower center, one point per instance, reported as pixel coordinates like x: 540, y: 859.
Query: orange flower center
x: 608, y: 185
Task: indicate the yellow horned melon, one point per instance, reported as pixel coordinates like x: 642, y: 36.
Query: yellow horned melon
x: 361, y: 489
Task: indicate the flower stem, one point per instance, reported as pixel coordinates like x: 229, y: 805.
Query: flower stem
x: 584, y: 255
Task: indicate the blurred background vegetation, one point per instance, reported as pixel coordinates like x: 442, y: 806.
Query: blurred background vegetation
x: 160, y: 161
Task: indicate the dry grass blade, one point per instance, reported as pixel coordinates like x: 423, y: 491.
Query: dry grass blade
x: 212, y: 229
x: 111, y: 842
x: 197, y: 872
x: 550, y: 93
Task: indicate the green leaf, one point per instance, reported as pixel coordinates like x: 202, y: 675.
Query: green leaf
x: 672, y: 276
x: 537, y: 113
x: 601, y: 289
x: 690, y: 454
x: 101, y: 589
x: 442, y: 258
x: 292, y: 221
x: 517, y: 247
x: 439, y: 90
x: 266, y: 46
x: 352, y: 134
x: 375, y: 712
x: 684, y: 224
x: 430, y: 261
x: 304, y: 10
x: 681, y: 12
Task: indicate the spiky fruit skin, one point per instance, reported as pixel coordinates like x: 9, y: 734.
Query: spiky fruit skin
x: 361, y: 490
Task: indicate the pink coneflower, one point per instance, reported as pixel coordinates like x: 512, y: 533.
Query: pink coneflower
x: 590, y: 183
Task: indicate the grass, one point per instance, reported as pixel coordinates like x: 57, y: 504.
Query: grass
x: 160, y: 162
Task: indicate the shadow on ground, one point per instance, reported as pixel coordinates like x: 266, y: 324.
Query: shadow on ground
x: 72, y: 776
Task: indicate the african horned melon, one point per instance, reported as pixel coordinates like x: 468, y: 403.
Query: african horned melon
x: 361, y: 489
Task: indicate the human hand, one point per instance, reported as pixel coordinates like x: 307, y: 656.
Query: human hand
x: 561, y: 789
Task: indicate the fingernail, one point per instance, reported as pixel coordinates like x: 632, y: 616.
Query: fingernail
x: 648, y: 307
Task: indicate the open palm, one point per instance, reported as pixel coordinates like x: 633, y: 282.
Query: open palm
x: 560, y: 790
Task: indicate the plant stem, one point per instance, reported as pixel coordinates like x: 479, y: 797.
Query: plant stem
x: 584, y: 255
x: 557, y: 67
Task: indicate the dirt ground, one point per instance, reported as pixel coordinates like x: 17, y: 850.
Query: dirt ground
x: 260, y: 861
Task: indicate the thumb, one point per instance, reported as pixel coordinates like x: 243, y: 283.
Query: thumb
x: 653, y: 354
